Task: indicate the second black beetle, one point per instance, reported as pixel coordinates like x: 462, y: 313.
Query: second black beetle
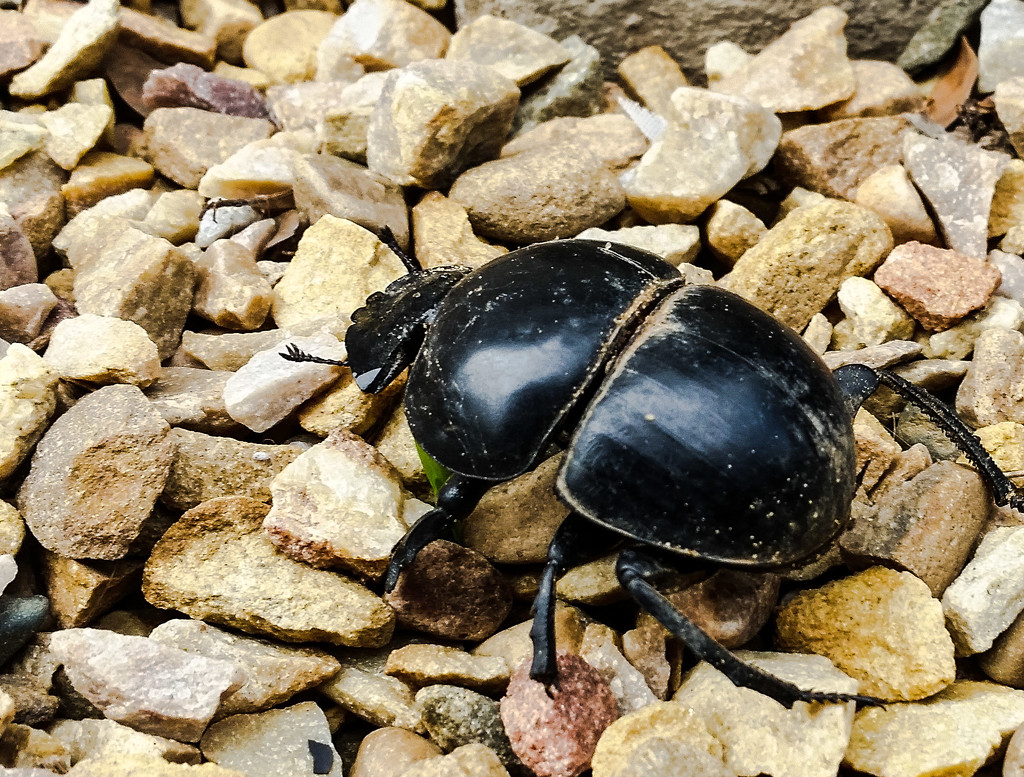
x: 695, y: 425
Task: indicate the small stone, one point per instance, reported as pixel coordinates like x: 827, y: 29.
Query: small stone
x: 303, y: 105
x: 228, y: 22
x: 731, y: 229
x: 232, y: 292
x: 555, y: 730
x: 284, y: 47
x: 389, y: 752
x: 1008, y: 200
x: 336, y: 266
x: 421, y: 665
x: 652, y: 75
x: 804, y: 69
x: 154, y: 688
x: 103, y: 350
x: 362, y: 688
x: 230, y: 351
x: 1001, y: 44
x: 443, y: 235
x: 207, y: 466
x: 101, y: 174
x: 451, y: 592
x: 23, y: 309
x: 991, y: 391
x: 345, y: 124
x: 344, y: 405
x: 539, y: 195
x: 187, y: 86
x: 472, y: 760
x: 875, y: 356
x: 958, y: 181
x: 73, y: 130
x: 460, y: 116
x: 174, y: 216
x: 81, y: 45
x: 217, y: 565
x: 926, y: 526
x: 760, y: 736
x: 20, y: 45
x: 80, y: 592
x: 268, y: 388
x: 799, y: 264
x: 986, y: 598
x: 601, y: 650
x: 958, y: 341
x: 111, y: 436
x: 34, y: 750
x: 675, y: 243
x: 219, y: 222
x: 967, y: 724
x: 611, y: 137
x: 514, y: 643
x: 859, y: 622
x: 383, y: 34
x: 12, y: 527
x: 515, y: 51
x: 31, y: 189
x: 661, y: 740
x: 836, y: 158
x: 938, y: 35
x: 278, y: 741
x: 883, y: 89
x: 889, y: 193
x: 593, y: 582
x: 17, y: 262
x: 22, y: 617
x: 253, y: 78
x: 871, y: 318
x: 165, y: 40
x: 723, y: 59
x: 85, y: 235
x: 455, y: 717
x: 1009, y: 100
x: 339, y: 504
x: 19, y: 137
x: 95, y: 738
x: 938, y: 287
x: 575, y: 89
x: 263, y: 167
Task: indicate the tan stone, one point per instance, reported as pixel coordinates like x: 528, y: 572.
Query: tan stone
x: 31, y: 189
x: 652, y: 75
x: 125, y: 765
x: 515, y: 51
x: 677, y: 244
x: 93, y: 738
x: 28, y: 398
x: 514, y: 645
x: 101, y: 174
x: 344, y: 125
x: 73, y: 130
x: 284, y: 47
x: 19, y: 138
x: 443, y: 235
x: 472, y: 760
x: 731, y: 229
x: 421, y: 665
x: 1009, y: 100
x: 388, y: 752
x: 166, y: 41
x: 871, y: 318
x: 398, y: 446
x: 883, y: 89
x: 879, y: 626
x: 346, y: 406
x: 1008, y: 201
x: 103, y: 350
x: 12, y: 529
x: 228, y: 22
x: 231, y: 292
x: 79, y: 592
x: 383, y: 34
x: 376, y: 697
x: 611, y: 137
x: 889, y: 193
x: 993, y: 389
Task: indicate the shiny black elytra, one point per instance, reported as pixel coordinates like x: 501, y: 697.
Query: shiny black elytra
x: 699, y: 428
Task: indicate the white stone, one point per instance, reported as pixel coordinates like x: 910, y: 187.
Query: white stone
x: 957, y: 342
x: 1011, y: 267
x: 759, y: 734
x: 103, y: 350
x: 73, y: 241
x: 262, y: 167
x: 989, y: 593
x: 8, y: 570
x: 1001, y: 52
x: 74, y: 129
x: 95, y: 738
x: 217, y: 223
x: 269, y: 387
x: 723, y: 59
x: 28, y: 397
x: 871, y: 317
x: 675, y: 243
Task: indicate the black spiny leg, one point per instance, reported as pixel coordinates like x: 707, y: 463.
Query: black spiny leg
x: 577, y: 539
x: 634, y: 569
x: 455, y: 501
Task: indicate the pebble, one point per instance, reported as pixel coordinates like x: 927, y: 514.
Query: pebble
x: 81, y: 45
x: 103, y: 350
x: 279, y: 741
x: 593, y: 582
x: 731, y: 229
x: 575, y: 89
x: 938, y: 287
x: 338, y: 504
x: 889, y: 193
x: 883, y: 89
x: 22, y: 617
x: 677, y: 244
x: 986, y: 597
x: 859, y: 623
x: 460, y: 116
x: 93, y: 738
x: 611, y: 137
x: 228, y: 22
x: 111, y: 436
x: 389, y: 752
x: 804, y: 69
x: 422, y: 665
x: 17, y: 262
x: 939, y: 168
x: 1001, y: 44
x: 958, y: 341
x: 187, y: 86
x: 376, y: 697
x: 1009, y: 100
x: 20, y: 137
x: 455, y: 717
x: 32, y: 189
x: 73, y: 130
x: 131, y: 765
x: 32, y: 748
x: 938, y: 35
x: 164, y: 40
x: 344, y: 405
x: 515, y: 51
x: 20, y: 45
x: 80, y: 592
x: 871, y: 318
x: 967, y: 725
x: 231, y: 291
x: 216, y: 564
x: 273, y: 673
x: 835, y: 158
x: 652, y: 75
x: 284, y: 47
x: 472, y: 760
x: 174, y: 216
x: 514, y: 644
x: 990, y: 390
x: 100, y: 174
x: 1002, y: 662
x: 451, y: 592
x: 756, y: 734
x: 381, y: 35
x: 23, y: 310
x: 601, y: 649
x: 152, y: 687
x: 443, y: 235
x: 1008, y: 201
x: 799, y: 264
x: 345, y: 124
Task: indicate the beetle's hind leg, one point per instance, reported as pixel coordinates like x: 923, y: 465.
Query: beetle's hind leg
x: 455, y: 501
x: 634, y: 570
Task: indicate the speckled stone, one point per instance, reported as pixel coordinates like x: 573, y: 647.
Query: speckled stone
x: 455, y: 717
x: 28, y: 397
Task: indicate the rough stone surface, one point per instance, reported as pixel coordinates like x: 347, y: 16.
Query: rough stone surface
x: 889, y: 193
x: 600, y: 649
x: 539, y: 195
x: 79, y: 592
x: 273, y: 673
x: 94, y: 738
x: 231, y: 292
x: 993, y: 389
x: 883, y: 89
x: 422, y: 665
x: 346, y: 406
x: 860, y: 623
x: 21, y: 45
x: 23, y: 310
x: 958, y: 181
x: 574, y: 90
x: 443, y: 235
x: 760, y: 736
x: 871, y: 318
x: 345, y: 124
x: 151, y: 687
x: 958, y: 341
x: 451, y: 592
x: 217, y: 565
x: 96, y: 474
x: 515, y: 51
x: 31, y: 189
x: 17, y: 262
x: 611, y: 137
x: 187, y: 86
x: 652, y: 75
x: 967, y: 725
x: 677, y: 244
x: 74, y: 129
x: 1009, y: 100
x: 226, y: 21
x: 362, y: 688
x: 939, y: 33
x: 101, y: 174
x: 103, y: 350
x: 455, y: 717
x: 28, y: 398
x: 132, y: 765
x: 798, y: 265
x: 1002, y: 43
x: 459, y: 117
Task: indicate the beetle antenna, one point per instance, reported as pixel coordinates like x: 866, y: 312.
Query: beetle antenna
x: 293, y: 353
x: 387, y: 237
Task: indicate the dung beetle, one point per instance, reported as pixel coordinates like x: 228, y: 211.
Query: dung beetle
x: 695, y: 425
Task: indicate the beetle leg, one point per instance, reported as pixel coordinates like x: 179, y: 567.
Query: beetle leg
x: 635, y: 567
x: 455, y: 501
x: 857, y: 382
x: 576, y: 539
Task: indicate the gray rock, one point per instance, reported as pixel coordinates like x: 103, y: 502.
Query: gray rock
x: 1001, y: 53
x: 457, y: 716
x: 20, y: 618
x: 939, y: 33
x: 575, y: 90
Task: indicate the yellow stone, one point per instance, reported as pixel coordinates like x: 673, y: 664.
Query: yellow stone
x: 101, y: 174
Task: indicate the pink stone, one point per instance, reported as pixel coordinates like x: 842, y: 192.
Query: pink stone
x: 936, y: 286
x: 188, y: 86
x: 555, y: 731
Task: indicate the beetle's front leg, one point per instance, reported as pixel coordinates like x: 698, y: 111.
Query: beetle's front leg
x: 635, y: 568
x: 455, y: 501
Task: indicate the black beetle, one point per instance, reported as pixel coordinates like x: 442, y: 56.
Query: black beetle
x: 697, y: 426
